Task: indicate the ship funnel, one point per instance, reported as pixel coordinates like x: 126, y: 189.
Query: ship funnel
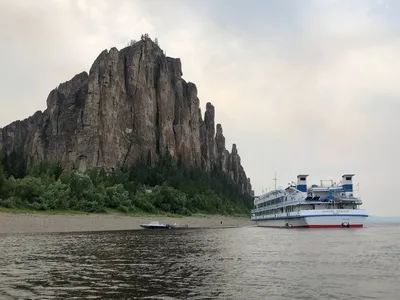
x: 347, y: 182
x: 302, y: 183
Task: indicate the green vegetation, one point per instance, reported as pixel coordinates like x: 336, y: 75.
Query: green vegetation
x: 166, y: 188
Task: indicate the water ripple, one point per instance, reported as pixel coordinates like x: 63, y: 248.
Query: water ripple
x: 246, y: 263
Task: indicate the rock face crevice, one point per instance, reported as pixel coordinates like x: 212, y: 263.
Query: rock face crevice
x: 133, y: 103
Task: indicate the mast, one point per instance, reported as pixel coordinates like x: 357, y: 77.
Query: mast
x: 275, y: 179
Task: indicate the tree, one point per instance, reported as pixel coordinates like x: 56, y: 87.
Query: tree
x: 132, y: 42
x: 154, y: 184
x: 2, y: 178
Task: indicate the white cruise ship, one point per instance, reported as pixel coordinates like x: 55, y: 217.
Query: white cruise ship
x: 324, y: 206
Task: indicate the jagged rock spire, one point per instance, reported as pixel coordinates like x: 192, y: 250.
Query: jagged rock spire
x: 133, y: 103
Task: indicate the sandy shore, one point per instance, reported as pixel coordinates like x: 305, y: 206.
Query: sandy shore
x: 26, y: 223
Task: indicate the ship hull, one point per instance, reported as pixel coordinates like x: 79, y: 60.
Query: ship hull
x: 333, y: 221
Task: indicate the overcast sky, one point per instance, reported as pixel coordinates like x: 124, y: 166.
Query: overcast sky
x: 300, y: 86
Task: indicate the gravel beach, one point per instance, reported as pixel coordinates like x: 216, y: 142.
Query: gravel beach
x: 29, y: 223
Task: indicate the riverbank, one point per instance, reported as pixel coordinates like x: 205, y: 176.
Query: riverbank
x: 67, y: 222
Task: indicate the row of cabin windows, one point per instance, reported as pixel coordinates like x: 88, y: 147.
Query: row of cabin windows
x: 272, y: 202
x: 286, y: 209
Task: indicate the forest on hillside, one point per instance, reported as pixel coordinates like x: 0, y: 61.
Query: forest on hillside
x: 167, y: 187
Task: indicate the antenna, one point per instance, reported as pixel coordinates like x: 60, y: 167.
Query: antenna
x: 275, y: 179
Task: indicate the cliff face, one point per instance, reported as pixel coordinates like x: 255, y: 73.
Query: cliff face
x: 132, y: 103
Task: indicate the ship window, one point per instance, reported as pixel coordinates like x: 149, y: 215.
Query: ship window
x: 348, y: 178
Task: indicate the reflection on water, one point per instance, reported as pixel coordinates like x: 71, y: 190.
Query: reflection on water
x: 245, y: 263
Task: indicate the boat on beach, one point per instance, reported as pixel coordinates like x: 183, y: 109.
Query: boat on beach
x: 319, y: 206
x: 155, y: 225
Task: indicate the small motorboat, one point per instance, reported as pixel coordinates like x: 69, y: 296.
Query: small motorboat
x: 155, y: 225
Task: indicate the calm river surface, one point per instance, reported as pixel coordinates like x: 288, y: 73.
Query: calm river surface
x: 239, y: 263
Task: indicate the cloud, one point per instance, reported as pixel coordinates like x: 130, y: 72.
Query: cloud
x: 300, y: 86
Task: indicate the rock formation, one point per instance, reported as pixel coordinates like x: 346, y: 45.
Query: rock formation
x: 133, y: 102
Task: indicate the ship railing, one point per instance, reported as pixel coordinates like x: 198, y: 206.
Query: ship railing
x: 278, y: 205
x: 264, y: 199
x: 335, y: 211
x: 275, y: 206
x: 296, y: 202
x: 349, y: 200
x: 278, y: 215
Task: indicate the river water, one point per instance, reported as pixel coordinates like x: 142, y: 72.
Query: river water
x: 238, y: 263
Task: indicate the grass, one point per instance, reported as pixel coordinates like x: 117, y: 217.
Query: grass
x: 79, y: 212
x: 140, y: 213
x: 45, y: 212
x: 113, y: 212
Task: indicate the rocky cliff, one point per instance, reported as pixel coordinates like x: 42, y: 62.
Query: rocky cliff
x: 133, y: 103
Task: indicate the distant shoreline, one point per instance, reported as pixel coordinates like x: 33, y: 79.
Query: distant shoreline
x: 384, y: 220
x: 28, y: 222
